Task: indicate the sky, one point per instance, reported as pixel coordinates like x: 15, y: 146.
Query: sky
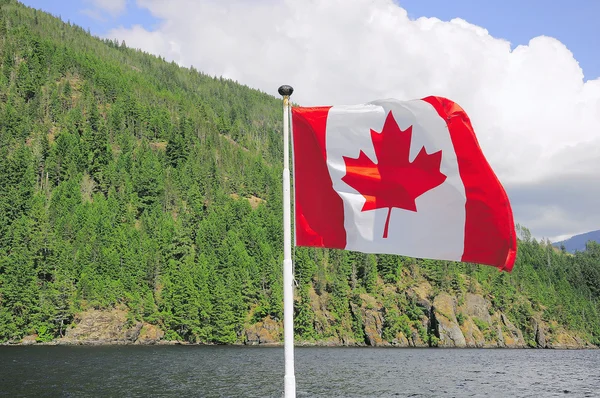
x: 526, y: 72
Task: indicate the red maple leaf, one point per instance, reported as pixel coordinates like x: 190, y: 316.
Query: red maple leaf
x: 393, y: 181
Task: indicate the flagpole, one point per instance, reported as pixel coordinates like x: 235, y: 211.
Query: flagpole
x: 288, y: 277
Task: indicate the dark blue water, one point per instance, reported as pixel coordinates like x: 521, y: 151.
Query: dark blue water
x: 193, y: 371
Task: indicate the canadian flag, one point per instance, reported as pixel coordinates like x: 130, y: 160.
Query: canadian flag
x: 398, y: 177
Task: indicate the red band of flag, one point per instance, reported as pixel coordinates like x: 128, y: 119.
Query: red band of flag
x: 489, y: 227
x: 319, y: 211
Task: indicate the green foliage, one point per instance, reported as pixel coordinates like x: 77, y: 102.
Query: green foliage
x: 421, y: 330
x: 368, y: 273
x: 395, y: 322
x: 389, y: 267
x: 481, y: 324
x: 44, y: 333
x: 304, y: 317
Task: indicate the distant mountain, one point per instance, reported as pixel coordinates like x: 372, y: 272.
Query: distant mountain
x: 578, y: 242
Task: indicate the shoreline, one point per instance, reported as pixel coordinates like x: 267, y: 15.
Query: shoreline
x: 108, y: 343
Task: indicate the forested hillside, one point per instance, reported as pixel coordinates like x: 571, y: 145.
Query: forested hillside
x: 128, y: 183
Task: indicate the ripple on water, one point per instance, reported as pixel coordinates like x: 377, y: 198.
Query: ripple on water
x: 191, y: 371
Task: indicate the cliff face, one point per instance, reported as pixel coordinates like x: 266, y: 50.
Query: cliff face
x: 449, y: 322
x: 466, y: 321
x: 110, y: 327
x: 473, y: 324
x: 96, y: 327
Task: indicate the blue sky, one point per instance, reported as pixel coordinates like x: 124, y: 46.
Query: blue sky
x: 73, y: 10
x: 574, y: 22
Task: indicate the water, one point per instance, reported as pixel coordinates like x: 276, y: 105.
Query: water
x: 197, y: 371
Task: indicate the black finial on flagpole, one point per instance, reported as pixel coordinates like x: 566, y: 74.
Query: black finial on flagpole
x: 286, y: 90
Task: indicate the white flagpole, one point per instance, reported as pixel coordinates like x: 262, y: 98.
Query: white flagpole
x: 288, y: 277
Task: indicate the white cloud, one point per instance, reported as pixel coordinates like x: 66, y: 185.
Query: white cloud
x: 94, y: 14
x: 113, y: 7
x: 537, y: 121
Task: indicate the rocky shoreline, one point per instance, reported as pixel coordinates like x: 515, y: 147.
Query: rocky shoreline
x: 452, y: 322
